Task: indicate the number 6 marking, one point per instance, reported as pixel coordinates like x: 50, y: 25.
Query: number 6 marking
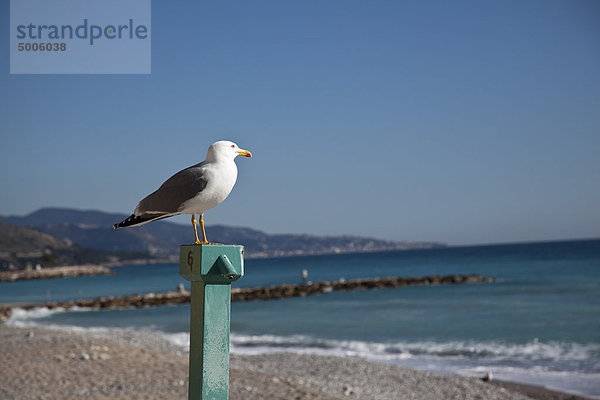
x: 190, y: 259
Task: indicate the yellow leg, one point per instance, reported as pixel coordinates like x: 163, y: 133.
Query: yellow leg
x: 204, y: 241
x: 195, y: 230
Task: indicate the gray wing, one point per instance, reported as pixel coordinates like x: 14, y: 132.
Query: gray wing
x: 176, y: 190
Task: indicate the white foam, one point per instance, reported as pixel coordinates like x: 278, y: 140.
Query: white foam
x: 38, y: 317
x: 181, y: 339
x: 19, y: 314
x: 531, y: 352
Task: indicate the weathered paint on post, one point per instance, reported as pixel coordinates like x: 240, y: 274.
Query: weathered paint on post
x: 211, y: 269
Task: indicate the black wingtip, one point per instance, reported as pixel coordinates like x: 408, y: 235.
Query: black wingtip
x: 134, y: 220
x: 130, y: 221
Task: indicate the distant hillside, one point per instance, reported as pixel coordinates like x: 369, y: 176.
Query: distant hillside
x: 19, y: 239
x: 21, y: 247
x: 93, y: 229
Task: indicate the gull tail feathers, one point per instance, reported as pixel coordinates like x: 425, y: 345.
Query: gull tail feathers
x: 137, y: 220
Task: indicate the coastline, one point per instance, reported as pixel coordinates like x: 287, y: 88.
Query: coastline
x: 56, y: 364
x: 55, y: 272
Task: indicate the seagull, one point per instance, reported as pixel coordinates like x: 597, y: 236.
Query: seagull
x: 193, y: 190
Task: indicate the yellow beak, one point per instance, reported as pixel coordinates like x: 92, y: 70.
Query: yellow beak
x: 243, y: 152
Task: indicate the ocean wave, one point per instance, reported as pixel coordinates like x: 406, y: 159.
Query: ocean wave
x: 532, y: 354
x: 181, y: 339
x: 21, y: 316
x: 559, y: 355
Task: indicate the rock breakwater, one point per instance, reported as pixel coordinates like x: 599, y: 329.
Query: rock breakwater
x: 300, y: 290
x: 182, y: 296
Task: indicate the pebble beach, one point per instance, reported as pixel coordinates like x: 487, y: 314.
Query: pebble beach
x: 50, y: 364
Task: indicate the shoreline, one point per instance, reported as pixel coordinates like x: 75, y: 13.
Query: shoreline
x: 55, y: 364
x: 55, y: 272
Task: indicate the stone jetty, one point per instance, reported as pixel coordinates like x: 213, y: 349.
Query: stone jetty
x: 54, y: 272
x: 182, y: 296
x: 300, y: 290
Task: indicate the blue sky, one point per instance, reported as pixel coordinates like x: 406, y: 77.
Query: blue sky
x: 463, y: 122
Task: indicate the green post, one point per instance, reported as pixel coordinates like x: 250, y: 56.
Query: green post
x: 211, y: 269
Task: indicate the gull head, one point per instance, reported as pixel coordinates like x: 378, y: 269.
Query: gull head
x: 224, y: 149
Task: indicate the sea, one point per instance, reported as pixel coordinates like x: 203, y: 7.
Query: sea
x: 538, y: 323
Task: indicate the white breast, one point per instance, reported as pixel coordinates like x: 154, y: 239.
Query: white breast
x: 221, y: 176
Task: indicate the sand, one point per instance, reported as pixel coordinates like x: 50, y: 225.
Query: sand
x: 49, y: 364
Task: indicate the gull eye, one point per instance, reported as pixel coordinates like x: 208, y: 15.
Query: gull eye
x: 233, y: 146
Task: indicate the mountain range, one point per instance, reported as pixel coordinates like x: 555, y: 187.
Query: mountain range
x: 60, y: 229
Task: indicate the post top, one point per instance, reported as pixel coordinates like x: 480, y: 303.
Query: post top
x: 209, y: 263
